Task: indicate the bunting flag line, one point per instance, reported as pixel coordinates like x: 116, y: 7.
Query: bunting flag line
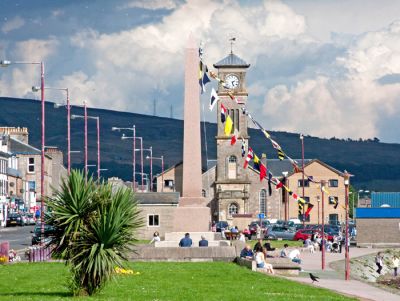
x: 256, y: 162
x: 263, y: 171
x: 235, y: 137
x: 243, y: 148
x: 323, y: 188
x: 300, y: 209
x: 223, y: 113
x: 228, y: 126
x: 213, y: 99
x: 269, y: 183
x: 279, y: 185
x: 296, y: 169
x: 249, y: 157
x: 281, y: 155
x: 205, y: 80
x: 275, y: 145
x: 309, y: 208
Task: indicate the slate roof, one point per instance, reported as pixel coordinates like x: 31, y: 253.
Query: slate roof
x: 18, y: 147
x: 153, y: 198
x: 232, y: 60
x: 4, y: 154
x: 277, y: 167
x: 14, y: 172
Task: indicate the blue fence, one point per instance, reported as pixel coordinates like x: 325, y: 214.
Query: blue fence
x: 385, y: 198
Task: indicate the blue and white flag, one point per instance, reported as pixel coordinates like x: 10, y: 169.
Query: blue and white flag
x: 213, y: 99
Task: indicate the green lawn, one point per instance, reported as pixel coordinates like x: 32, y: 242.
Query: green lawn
x: 159, y: 281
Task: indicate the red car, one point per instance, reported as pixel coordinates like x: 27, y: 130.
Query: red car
x: 303, y: 234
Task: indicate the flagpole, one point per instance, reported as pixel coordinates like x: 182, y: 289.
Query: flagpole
x: 347, y: 256
x: 323, y: 228
x: 302, y: 163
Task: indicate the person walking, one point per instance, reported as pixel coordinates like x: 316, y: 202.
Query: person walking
x: 395, y: 262
x: 379, y: 262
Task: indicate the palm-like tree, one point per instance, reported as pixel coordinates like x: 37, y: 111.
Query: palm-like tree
x: 95, y: 230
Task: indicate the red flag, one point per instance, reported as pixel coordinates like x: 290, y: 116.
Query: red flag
x: 295, y: 196
x: 279, y: 185
x: 249, y: 157
x: 310, y: 206
x: 235, y: 137
x: 263, y: 171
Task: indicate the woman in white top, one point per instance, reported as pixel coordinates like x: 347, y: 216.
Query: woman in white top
x: 260, y: 261
x: 156, y: 237
x: 242, y: 237
x: 395, y: 262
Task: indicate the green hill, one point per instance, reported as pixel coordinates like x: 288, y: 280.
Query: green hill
x: 376, y: 165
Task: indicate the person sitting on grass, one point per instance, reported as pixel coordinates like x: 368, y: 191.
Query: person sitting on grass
x: 186, y: 242
x: 284, y: 251
x: 260, y: 261
x: 267, y: 245
x: 247, y: 253
x: 258, y: 245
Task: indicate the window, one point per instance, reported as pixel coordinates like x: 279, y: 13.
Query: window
x: 306, y: 183
x: 32, y: 186
x: 233, y: 209
x: 263, y: 201
x: 232, y: 167
x: 153, y: 220
x: 333, y: 200
x: 31, y: 165
x: 169, y: 183
x: 333, y: 183
x: 203, y: 193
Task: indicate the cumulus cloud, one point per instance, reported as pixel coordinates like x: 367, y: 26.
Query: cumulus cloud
x: 350, y: 104
x: 151, y: 4
x: 13, y: 24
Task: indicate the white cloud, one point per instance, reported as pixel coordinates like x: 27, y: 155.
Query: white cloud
x: 13, y: 24
x: 350, y: 104
x: 151, y: 4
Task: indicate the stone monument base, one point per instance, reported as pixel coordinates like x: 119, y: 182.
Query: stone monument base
x: 192, y: 219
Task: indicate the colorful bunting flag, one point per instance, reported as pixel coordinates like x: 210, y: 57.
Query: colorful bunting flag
x: 269, y: 183
x: 235, y: 137
x: 325, y: 190
x: 309, y: 208
x: 213, y: 99
x: 223, y: 113
x: 228, y: 126
x: 249, y: 157
x: 296, y: 169
x: 243, y: 148
x: 279, y: 185
x: 263, y: 171
x: 281, y: 155
x: 275, y: 145
x: 257, y: 162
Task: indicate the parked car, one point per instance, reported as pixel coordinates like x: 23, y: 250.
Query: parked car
x: 30, y: 219
x: 276, y: 232
x: 307, y: 233
x: 49, y: 231
x: 14, y: 219
x: 221, y: 225
x: 253, y: 226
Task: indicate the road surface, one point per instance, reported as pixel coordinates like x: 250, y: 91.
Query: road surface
x: 19, y: 237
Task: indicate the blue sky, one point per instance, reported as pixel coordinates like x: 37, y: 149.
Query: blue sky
x: 324, y: 68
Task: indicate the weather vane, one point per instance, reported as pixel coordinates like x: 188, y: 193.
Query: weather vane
x: 232, y: 40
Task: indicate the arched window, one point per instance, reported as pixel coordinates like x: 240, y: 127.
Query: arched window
x: 203, y: 193
x: 263, y: 201
x: 232, y: 167
x: 233, y: 209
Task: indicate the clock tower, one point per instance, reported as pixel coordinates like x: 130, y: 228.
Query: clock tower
x: 232, y: 180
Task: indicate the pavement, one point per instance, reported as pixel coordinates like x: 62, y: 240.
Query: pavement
x: 18, y: 237
x: 330, y: 279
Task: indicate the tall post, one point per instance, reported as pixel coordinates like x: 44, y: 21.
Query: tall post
x: 302, y: 163
x: 68, y: 133
x: 86, y: 141
x: 141, y: 158
x: 347, y: 256
x: 323, y: 227
x: 98, y: 148
x: 134, y: 158
x: 318, y: 200
x: 42, y: 165
x: 151, y: 168
x: 162, y: 173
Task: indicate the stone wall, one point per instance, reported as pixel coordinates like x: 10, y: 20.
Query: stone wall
x: 166, y: 219
x: 378, y: 232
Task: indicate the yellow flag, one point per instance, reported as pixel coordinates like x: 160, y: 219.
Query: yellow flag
x: 228, y: 126
x: 325, y: 190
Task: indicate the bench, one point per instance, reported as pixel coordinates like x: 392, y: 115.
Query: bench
x: 282, y: 266
x: 231, y: 235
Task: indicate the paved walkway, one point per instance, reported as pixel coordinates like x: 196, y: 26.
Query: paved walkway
x: 332, y: 280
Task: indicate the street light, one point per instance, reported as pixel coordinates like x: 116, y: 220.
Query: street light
x: 56, y: 105
x: 285, y: 174
x: 97, y: 118
x: 318, y: 201
x: 150, y: 149
x: 346, y: 177
x: 6, y: 63
x: 302, y: 164
x: 323, y: 242
x: 134, y: 151
x: 162, y: 169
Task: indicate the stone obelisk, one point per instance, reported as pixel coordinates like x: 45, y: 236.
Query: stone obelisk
x: 192, y: 213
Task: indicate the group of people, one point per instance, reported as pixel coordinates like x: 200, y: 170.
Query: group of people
x: 316, y: 241
x: 185, y: 242
x: 379, y: 263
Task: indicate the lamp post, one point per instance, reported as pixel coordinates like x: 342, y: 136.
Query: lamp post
x: 134, y: 151
x: 6, y: 63
x: 302, y: 169
x: 318, y: 201
x: 162, y: 169
x: 285, y: 174
x: 150, y: 149
x: 346, y: 176
x: 86, y: 117
x: 323, y: 227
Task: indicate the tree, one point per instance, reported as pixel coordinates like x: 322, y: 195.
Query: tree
x: 95, y: 230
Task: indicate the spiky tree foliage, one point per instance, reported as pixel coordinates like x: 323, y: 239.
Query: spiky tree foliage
x: 96, y: 228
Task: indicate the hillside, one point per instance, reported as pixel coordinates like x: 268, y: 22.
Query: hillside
x: 376, y: 165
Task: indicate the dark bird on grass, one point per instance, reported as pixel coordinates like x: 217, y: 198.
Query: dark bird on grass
x: 313, y: 278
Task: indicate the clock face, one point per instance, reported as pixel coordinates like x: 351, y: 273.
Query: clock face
x: 231, y: 81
